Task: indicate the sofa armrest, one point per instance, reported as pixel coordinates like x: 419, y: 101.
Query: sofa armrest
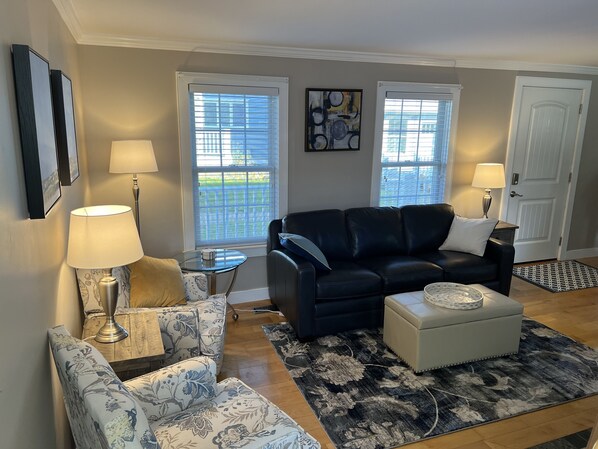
x: 292, y: 287
x: 174, y: 388
x: 503, y: 254
x: 196, y: 286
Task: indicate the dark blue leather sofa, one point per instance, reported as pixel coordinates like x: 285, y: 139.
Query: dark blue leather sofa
x: 373, y: 252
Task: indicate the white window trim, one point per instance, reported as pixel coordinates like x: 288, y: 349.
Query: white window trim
x: 393, y: 86
x: 183, y: 79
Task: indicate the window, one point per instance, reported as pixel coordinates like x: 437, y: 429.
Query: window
x: 415, y: 130
x: 233, y: 157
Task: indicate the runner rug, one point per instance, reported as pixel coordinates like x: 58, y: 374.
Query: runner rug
x: 560, y: 276
x: 365, y: 397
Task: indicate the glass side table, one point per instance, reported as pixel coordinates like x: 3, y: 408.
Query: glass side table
x: 226, y: 260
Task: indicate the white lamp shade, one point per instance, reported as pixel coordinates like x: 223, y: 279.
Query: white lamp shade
x: 489, y: 176
x: 132, y: 156
x: 103, y: 237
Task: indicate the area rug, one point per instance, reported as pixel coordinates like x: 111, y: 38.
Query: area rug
x: 560, y: 276
x: 577, y: 440
x: 365, y: 397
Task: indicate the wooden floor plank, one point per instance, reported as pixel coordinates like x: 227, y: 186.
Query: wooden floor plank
x: 250, y: 357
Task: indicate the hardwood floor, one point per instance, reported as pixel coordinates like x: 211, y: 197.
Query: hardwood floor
x: 250, y: 357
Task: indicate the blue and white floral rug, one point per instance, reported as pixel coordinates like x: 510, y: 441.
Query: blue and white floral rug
x: 367, y: 398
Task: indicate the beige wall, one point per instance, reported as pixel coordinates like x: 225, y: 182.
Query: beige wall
x: 38, y: 290
x: 130, y: 93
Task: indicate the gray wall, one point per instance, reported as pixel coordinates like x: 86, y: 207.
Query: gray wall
x: 130, y: 93
x: 37, y: 288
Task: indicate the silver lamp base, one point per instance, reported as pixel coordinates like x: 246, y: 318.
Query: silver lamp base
x: 111, y: 331
x: 486, y: 202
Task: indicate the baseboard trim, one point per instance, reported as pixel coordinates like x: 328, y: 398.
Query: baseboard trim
x: 256, y: 294
x: 580, y: 253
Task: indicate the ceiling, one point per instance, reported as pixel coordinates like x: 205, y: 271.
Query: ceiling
x: 524, y: 34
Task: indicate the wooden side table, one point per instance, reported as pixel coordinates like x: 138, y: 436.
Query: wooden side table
x: 141, y: 352
x: 505, y: 232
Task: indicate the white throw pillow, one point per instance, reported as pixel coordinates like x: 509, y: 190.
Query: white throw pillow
x: 469, y: 235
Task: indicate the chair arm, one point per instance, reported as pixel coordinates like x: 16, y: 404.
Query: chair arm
x: 284, y: 439
x: 197, y: 328
x: 292, y: 287
x: 196, y: 286
x: 288, y: 438
x: 179, y: 329
x: 268, y: 427
x: 212, y: 327
x: 174, y: 388
x: 503, y: 254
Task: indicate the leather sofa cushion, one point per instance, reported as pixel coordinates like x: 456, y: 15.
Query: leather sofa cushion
x: 463, y: 268
x: 347, y: 309
x: 375, y: 231
x: 426, y: 226
x: 403, y: 273
x: 325, y: 228
x: 346, y: 280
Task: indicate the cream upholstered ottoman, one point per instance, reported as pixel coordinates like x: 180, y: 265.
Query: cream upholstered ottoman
x: 428, y: 336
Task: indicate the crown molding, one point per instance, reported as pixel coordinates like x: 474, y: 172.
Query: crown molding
x: 68, y: 14
x: 330, y: 55
x: 262, y: 50
x: 525, y: 66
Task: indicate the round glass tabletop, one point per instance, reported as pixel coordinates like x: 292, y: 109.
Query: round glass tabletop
x: 225, y: 260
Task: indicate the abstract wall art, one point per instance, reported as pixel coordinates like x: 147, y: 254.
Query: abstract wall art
x: 36, y: 126
x: 333, y: 119
x: 64, y: 118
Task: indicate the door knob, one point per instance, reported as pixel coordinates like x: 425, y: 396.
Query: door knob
x: 514, y: 194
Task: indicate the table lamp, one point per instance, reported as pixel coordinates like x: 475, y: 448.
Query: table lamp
x: 104, y: 237
x: 133, y: 156
x: 488, y: 176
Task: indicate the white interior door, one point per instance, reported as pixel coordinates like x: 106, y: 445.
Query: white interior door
x: 541, y: 165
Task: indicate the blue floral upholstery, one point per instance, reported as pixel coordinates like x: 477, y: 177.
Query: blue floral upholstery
x: 178, y: 407
x: 102, y: 412
x: 197, y: 328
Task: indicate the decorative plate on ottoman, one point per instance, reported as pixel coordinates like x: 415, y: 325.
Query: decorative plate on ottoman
x: 451, y: 295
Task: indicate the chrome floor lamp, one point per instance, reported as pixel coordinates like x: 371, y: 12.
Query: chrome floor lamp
x: 133, y: 156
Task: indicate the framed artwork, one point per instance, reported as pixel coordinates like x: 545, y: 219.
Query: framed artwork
x: 64, y: 122
x: 333, y: 119
x: 36, y: 125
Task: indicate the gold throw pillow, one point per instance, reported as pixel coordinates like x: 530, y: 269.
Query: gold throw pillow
x: 156, y: 283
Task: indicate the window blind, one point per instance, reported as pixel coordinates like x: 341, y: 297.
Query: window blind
x: 235, y: 147
x: 415, y: 145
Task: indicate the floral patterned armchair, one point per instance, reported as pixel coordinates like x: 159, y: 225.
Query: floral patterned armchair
x: 197, y: 328
x: 178, y: 407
